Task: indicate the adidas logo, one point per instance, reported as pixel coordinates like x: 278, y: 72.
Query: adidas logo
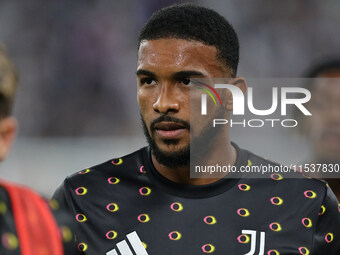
x: 124, y: 249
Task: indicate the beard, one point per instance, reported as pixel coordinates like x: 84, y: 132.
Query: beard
x: 174, y: 159
x: 194, y: 151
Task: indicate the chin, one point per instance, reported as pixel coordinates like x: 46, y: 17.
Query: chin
x: 171, y: 148
x: 172, y: 155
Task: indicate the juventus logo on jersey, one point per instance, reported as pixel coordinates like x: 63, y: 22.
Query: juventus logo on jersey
x: 253, y: 234
x: 124, y: 249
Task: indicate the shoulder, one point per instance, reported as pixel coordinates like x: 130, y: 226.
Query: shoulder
x: 286, y: 179
x: 112, y: 170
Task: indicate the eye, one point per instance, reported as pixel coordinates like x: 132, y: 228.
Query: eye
x: 186, y: 81
x: 147, y: 81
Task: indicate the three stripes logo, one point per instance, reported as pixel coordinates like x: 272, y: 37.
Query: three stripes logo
x: 136, y: 246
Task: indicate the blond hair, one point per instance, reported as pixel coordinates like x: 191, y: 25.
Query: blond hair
x: 8, y: 83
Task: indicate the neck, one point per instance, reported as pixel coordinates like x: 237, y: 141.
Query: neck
x: 223, y: 153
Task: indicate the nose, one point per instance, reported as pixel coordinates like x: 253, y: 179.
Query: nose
x: 166, y: 100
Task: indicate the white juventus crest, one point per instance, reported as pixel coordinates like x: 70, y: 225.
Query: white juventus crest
x: 252, y: 234
x: 124, y: 249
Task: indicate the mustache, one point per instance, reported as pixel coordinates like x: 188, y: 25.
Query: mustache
x: 162, y: 118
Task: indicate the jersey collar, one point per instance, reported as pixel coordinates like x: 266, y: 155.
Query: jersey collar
x: 195, y: 191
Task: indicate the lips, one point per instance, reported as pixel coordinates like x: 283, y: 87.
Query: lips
x: 168, y: 125
x: 169, y: 130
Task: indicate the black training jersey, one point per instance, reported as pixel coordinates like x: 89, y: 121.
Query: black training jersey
x: 124, y: 206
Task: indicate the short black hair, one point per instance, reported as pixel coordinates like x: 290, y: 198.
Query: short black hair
x: 193, y: 22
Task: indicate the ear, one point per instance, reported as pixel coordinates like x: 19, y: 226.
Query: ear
x: 8, y: 130
x: 239, y: 82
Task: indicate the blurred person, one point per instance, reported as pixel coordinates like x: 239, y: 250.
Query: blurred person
x: 146, y: 202
x: 27, y: 225
x: 323, y: 128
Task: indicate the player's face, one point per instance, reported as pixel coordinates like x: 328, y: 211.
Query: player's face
x: 164, y: 70
x: 325, y: 123
x: 8, y: 128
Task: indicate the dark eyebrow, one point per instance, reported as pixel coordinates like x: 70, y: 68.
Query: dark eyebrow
x: 145, y: 72
x: 179, y: 74
x: 186, y: 74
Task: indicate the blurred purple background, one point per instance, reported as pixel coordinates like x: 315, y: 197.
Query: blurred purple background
x: 77, y: 60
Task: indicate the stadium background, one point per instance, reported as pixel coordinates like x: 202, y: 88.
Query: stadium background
x: 76, y: 102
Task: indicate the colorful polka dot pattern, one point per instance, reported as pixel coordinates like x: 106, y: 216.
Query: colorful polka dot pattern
x: 9, y: 243
x: 177, y: 207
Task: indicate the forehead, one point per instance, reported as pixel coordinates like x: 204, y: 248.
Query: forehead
x: 177, y: 53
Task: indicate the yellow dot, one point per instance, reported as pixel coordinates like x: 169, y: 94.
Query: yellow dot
x: 117, y: 162
x: 145, y: 245
x: 84, y: 171
x: 322, y: 210
x: 10, y: 241
x: 54, y: 204
x: 66, y: 233
x: 3, y: 208
x: 82, y: 246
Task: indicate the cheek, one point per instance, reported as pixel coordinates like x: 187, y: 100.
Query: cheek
x: 201, y: 122
x: 316, y: 125
x: 145, y: 101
